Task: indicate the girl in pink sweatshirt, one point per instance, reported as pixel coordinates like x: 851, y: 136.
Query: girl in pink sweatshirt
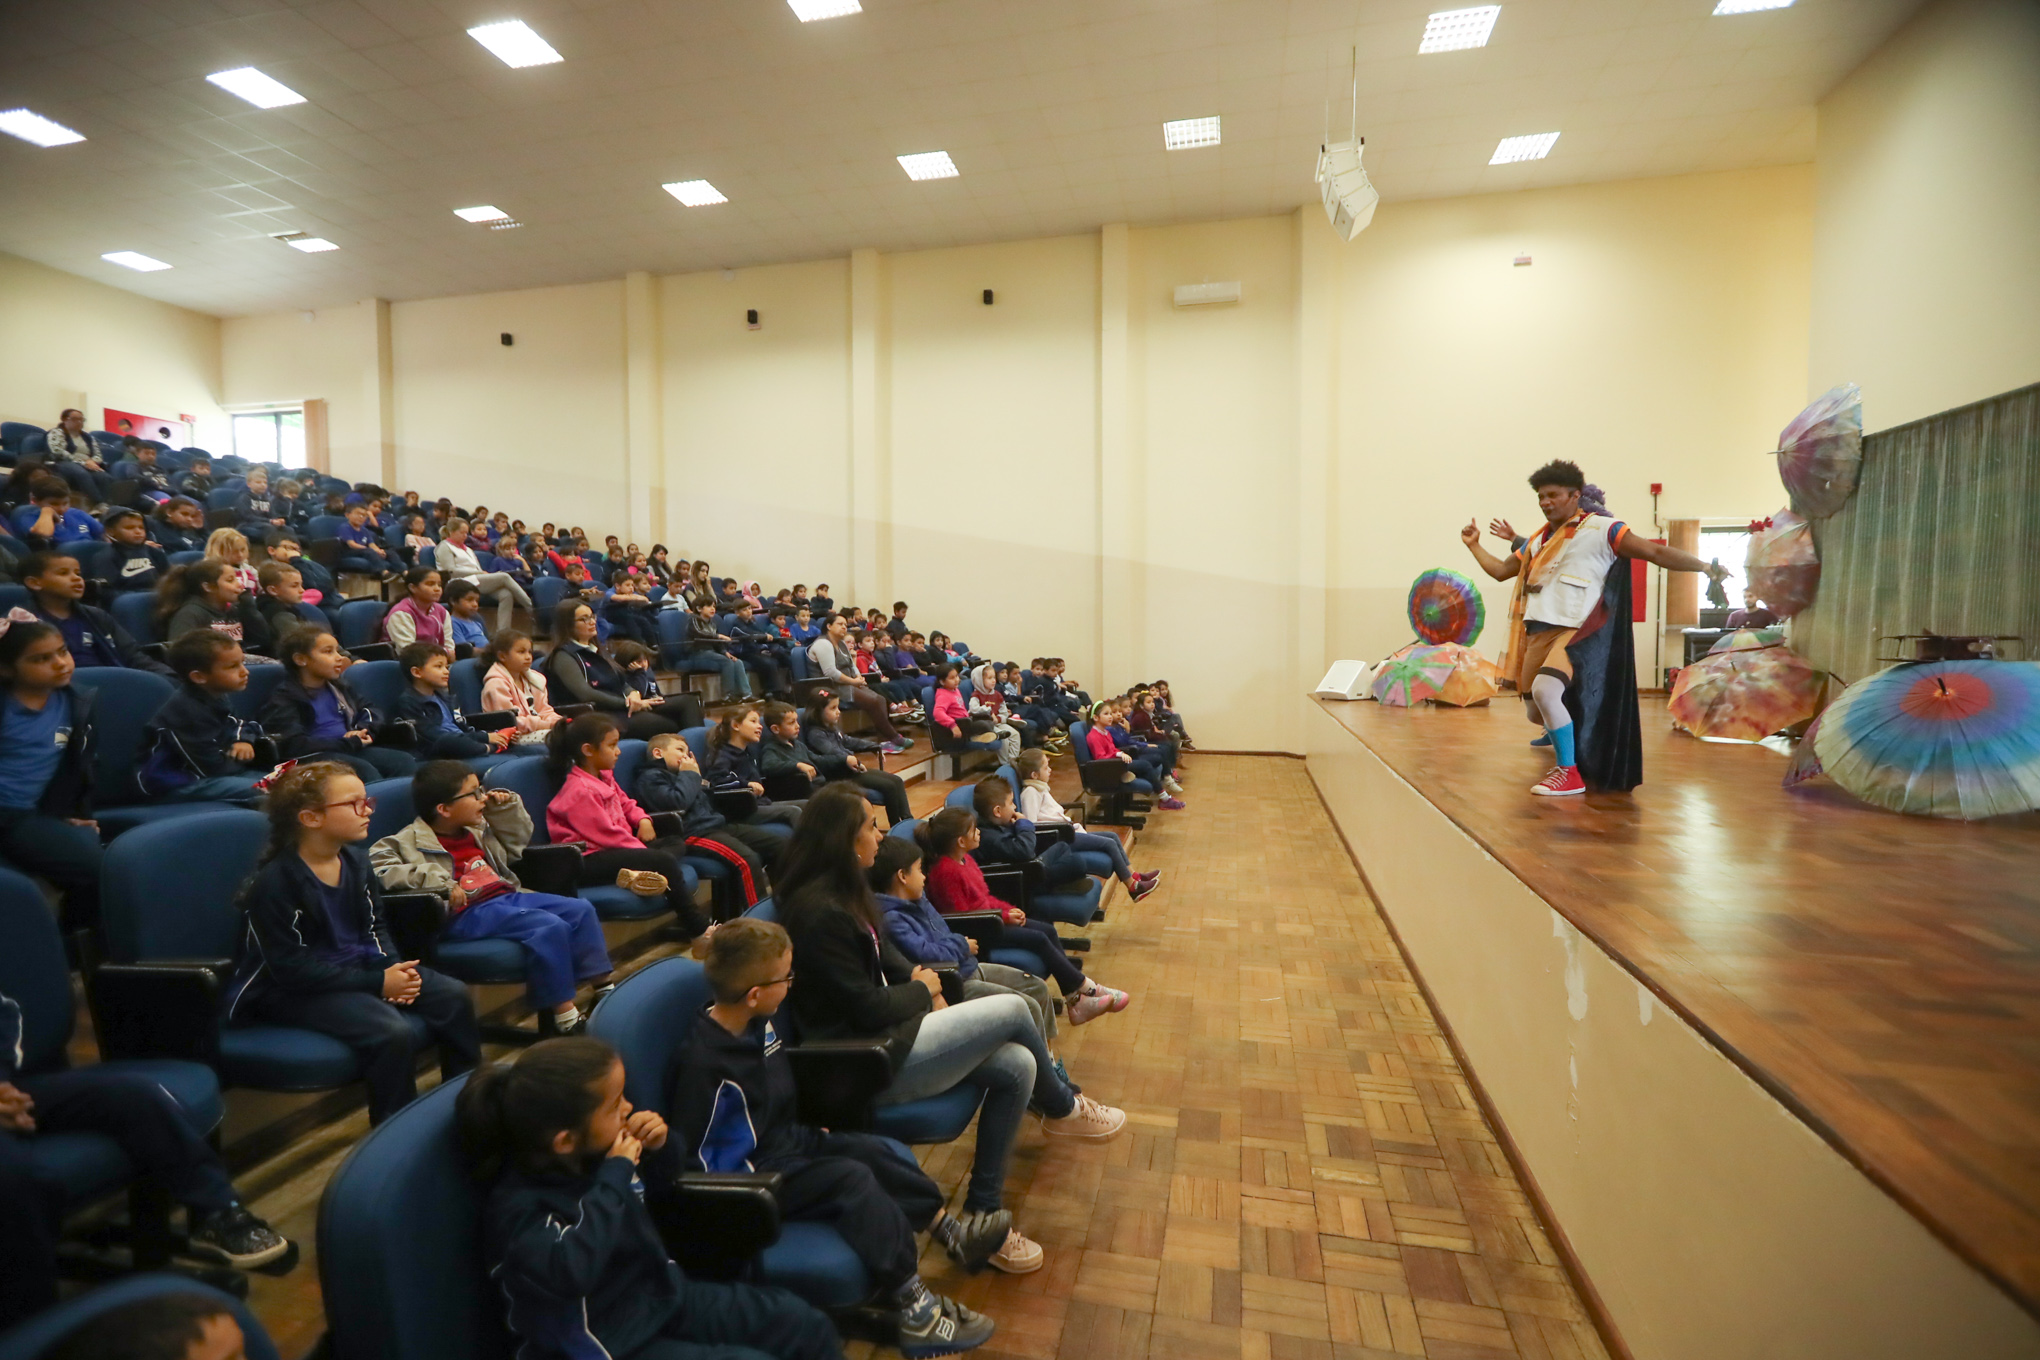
x: 952, y: 717
x: 617, y: 842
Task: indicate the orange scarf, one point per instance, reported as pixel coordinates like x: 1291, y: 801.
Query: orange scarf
x: 1539, y: 561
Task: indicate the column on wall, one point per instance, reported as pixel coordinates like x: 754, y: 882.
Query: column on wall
x: 1119, y: 450
x: 1318, y: 258
x: 870, y: 446
x: 380, y: 383
x: 644, y: 491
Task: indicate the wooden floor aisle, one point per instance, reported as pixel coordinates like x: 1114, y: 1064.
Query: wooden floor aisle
x: 1305, y: 1175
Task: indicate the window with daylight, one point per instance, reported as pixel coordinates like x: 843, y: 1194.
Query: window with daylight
x: 271, y: 437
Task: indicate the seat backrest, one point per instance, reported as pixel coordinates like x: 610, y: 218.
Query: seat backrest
x: 186, y: 557
x: 546, y: 593
x: 466, y: 685
x: 325, y: 526
x: 765, y: 909
x: 672, y: 625
x: 12, y: 432
x: 1080, y: 745
x: 92, y: 558
x: 361, y: 622
x: 647, y: 1019
x: 125, y: 701
x: 220, y: 497
x: 529, y: 780
x: 399, y: 1244
x: 314, y: 615
x: 697, y: 742
x: 904, y: 830
x: 1012, y: 778
x: 262, y: 682
x: 41, y: 1333
x: 961, y: 796
x: 135, y: 610
x: 630, y: 760
x: 377, y: 684
x: 13, y: 596
x: 34, y: 973
x: 169, y: 888
x: 392, y: 808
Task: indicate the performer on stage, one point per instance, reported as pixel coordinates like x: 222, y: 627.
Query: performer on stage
x: 1570, y: 649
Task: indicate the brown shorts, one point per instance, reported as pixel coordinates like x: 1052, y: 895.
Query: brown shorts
x: 1544, y: 650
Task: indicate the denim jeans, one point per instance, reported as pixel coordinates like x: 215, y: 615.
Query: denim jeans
x: 561, y: 938
x: 219, y: 788
x: 1102, y: 855
x: 993, y: 1043
x: 735, y: 682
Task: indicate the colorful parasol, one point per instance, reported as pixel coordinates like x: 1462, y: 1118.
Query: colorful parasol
x: 1747, y: 640
x: 1805, y: 762
x: 1473, y: 679
x: 1783, y: 565
x: 1939, y: 738
x: 1446, y: 607
x: 1747, y: 695
x: 1410, y: 677
x: 1821, y: 451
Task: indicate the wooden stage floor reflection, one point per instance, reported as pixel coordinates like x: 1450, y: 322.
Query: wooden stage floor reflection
x: 1879, y: 974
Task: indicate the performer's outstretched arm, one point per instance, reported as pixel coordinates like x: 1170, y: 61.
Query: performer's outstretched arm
x: 1499, y: 568
x: 1668, y: 557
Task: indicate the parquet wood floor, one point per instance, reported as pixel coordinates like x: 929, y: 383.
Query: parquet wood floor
x: 1306, y: 1175
x: 1880, y: 974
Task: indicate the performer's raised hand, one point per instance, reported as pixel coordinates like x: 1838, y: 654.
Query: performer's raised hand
x: 1502, y: 529
x: 1470, y: 535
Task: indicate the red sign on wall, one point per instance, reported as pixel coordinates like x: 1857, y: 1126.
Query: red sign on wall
x: 172, y: 430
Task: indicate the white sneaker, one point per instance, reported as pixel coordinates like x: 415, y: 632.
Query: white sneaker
x: 1088, y: 1120
x: 1019, y: 1256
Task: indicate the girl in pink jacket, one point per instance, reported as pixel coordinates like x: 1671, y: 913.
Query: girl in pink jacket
x: 617, y: 842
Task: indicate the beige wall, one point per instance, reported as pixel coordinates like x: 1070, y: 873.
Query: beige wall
x: 1657, y: 336
x: 330, y: 354
x: 1926, y: 279
x: 68, y: 341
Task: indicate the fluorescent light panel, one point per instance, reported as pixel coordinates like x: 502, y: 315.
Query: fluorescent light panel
x: 695, y: 193
x: 1750, y: 6
x: 310, y: 245
x: 33, y: 127
x: 514, y: 42
x: 807, y: 11
x: 484, y: 212
x: 258, y: 89
x: 1185, y: 133
x: 1453, y: 30
x: 133, y: 260
x: 928, y: 165
x: 1534, y: 147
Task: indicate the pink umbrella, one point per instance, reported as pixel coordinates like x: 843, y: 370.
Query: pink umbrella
x: 1821, y: 452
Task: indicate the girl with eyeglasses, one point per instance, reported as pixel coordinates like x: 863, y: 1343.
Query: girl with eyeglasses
x: 315, y: 952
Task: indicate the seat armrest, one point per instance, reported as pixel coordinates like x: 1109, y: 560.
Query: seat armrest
x: 837, y: 1080
x: 554, y: 869
x: 156, y: 1010
x: 1008, y: 883
x: 372, y: 651
x: 737, y: 805
x: 573, y: 710
x: 491, y: 720
x: 668, y: 824
x: 1053, y: 834
x: 416, y: 919
x: 710, y: 1219
x: 951, y: 979
x: 985, y: 927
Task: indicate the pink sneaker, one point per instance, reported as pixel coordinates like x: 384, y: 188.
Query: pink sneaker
x: 1141, y: 887
x: 1563, y: 780
x: 1172, y: 804
x: 1119, y: 1000
x: 1088, y: 1007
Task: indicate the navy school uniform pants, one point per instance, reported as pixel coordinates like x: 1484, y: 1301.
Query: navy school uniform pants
x: 561, y: 938
x: 380, y: 1035
x: 68, y: 856
x: 136, y: 1113
x: 741, y: 1322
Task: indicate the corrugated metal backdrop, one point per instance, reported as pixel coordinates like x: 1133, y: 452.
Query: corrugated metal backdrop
x: 1942, y: 536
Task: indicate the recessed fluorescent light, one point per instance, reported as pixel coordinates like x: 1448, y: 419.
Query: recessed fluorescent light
x: 1534, y: 147
x: 1452, y: 30
x: 697, y: 193
x: 33, y: 127
x: 484, y: 212
x: 928, y: 165
x: 810, y: 10
x: 1188, y: 132
x: 133, y: 260
x: 256, y: 88
x: 305, y: 241
x: 515, y: 43
x: 1750, y: 6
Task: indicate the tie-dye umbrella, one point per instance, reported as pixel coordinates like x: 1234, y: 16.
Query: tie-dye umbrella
x: 1821, y: 451
x: 1446, y: 607
x: 1939, y: 738
x: 1473, y: 680
x: 1747, y: 640
x: 1783, y: 565
x: 1411, y: 676
x: 1805, y: 762
x: 1747, y: 695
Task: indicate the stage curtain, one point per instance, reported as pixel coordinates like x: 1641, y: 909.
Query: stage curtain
x: 1942, y: 536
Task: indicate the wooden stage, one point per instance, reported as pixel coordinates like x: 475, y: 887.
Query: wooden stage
x: 1879, y: 975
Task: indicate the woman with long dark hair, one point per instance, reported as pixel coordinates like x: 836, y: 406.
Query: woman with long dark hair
x: 579, y: 672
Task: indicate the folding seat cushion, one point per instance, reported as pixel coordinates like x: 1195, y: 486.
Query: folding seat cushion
x: 41, y: 1333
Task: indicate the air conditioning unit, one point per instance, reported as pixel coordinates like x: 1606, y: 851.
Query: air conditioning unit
x: 1206, y: 294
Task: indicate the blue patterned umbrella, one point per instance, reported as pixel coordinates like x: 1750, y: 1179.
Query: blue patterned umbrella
x: 1940, y: 738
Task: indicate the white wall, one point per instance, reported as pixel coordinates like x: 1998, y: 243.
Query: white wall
x: 68, y: 341
x: 328, y: 355
x: 1926, y: 275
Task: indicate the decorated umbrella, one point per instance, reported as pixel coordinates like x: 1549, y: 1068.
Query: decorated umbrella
x: 1805, y: 762
x: 1747, y: 695
x: 1446, y: 607
x: 1410, y: 676
x: 1783, y: 565
x: 1748, y: 640
x: 1821, y: 451
x: 1473, y: 679
x: 1939, y: 738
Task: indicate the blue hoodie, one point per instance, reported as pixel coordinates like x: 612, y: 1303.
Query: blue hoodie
x: 918, y: 931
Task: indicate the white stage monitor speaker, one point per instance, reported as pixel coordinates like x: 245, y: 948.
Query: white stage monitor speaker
x: 1345, y: 680
x: 1349, y: 195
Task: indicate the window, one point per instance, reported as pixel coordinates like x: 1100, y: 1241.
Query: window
x: 271, y: 437
x: 1728, y: 544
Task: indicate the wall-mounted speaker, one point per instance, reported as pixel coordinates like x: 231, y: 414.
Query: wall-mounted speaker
x: 509, y: 339
x: 988, y: 297
x: 751, y: 319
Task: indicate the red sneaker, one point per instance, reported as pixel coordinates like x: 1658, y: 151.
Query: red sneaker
x: 1563, y: 779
